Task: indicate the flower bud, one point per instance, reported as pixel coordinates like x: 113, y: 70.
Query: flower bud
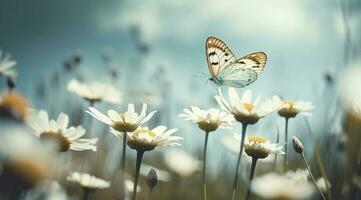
x: 152, y: 178
x: 297, y: 145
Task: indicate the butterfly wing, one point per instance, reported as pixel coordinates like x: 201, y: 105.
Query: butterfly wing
x: 219, y: 56
x: 244, y: 71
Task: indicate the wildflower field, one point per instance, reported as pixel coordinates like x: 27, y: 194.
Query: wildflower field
x: 180, y: 100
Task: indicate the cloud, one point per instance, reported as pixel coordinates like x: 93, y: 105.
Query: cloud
x: 284, y: 19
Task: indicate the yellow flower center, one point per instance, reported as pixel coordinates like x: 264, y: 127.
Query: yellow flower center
x: 58, y: 138
x: 14, y: 104
x: 248, y: 106
x: 289, y: 102
x: 256, y: 138
x: 145, y: 131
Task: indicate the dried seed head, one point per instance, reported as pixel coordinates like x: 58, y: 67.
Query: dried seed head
x: 297, y: 145
x: 152, y: 178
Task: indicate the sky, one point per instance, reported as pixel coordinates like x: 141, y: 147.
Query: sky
x: 303, y: 41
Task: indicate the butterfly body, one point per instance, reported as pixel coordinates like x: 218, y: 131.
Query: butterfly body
x: 225, y: 69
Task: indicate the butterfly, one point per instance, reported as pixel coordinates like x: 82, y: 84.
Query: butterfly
x: 225, y: 69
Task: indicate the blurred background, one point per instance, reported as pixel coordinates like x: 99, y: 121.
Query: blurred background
x: 153, y: 52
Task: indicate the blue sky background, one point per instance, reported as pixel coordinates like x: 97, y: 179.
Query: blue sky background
x: 303, y: 40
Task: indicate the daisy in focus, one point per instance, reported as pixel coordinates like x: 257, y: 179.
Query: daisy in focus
x: 244, y: 109
x: 58, y: 132
x: 275, y: 186
x: 7, y: 66
x: 87, y: 181
x: 208, y: 120
x: 145, y: 139
x: 120, y: 123
x: 95, y: 92
x: 290, y: 108
x: 260, y: 147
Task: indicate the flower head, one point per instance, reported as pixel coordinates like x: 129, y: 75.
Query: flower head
x: 87, y: 181
x: 290, y: 108
x: 145, y: 139
x: 244, y: 109
x: 275, y: 186
x: 260, y: 147
x: 120, y: 123
x: 6, y: 66
x: 13, y: 105
x: 95, y: 92
x: 208, y: 120
x: 297, y: 145
x: 58, y: 132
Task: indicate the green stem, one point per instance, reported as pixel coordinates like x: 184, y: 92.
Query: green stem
x: 277, y: 141
x: 253, y: 167
x: 286, y: 142
x: 313, y: 178
x: 244, y: 128
x: 86, y: 193
x: 204, y: 165
x: 150, y: 194
x: 125, y: 135
x: 137, y: 169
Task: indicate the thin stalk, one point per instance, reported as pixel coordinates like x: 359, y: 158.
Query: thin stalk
x: 125, y: 136
x: 253, y: 167
x: 313, y: 178
x: 137, y: 169
x: 319, y: 159
x: 86, y: 193
x: 286, y: 142
x: 277, y: 141
x: 244, y: 128
x: 204, y: 165
x: 150, y: 194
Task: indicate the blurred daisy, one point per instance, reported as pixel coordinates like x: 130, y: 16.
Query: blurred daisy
x: 162, y: 175
x: 321, y: 183
x: 244, y: 109
x: 290, y: 108
x: 58, y: 131
x: 145, y: 139
x: 7, y: 66
x: 24, y: 162
x: 260, y: 147
x: 95, y: 92
x: 181, y: 162
x: 128, y: 121
x: 87, y: 181
x: 350, y: 90
x: 208, y: 120
x: 275, y: 186
x: 299, y: 175
x: 13, y: 105
x: 128, y: 184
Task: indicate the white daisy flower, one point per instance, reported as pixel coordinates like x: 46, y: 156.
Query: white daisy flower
x: 260, y: 147
x: 275, y: 186
x: 244, y: 109
x: 290, y: 108
x: 208, y: 120
x: 321, y: 183
x: 58, y: 131
x: 95, y: 92
x: 7, y: 66
x: 299, y: 175
x: 128, y: 184
x: 87, y: 181
x: 233, y: 143
x: 181, y: 162
x: 120, y: 123
x: 145, y: 139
